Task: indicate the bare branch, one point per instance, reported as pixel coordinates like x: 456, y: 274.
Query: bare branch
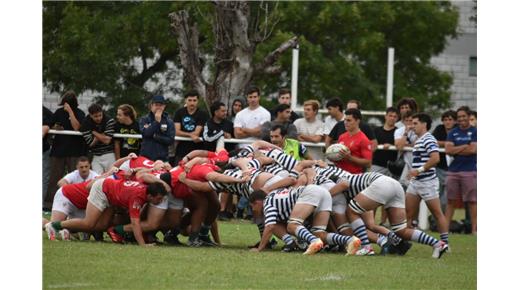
x: 272, y: 57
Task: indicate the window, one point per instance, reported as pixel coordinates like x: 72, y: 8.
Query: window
x: 473, y: 66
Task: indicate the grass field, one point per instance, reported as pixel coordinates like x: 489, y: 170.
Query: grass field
x: 103, y: 265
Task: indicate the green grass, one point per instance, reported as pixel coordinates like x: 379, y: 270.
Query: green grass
x: 94, y: 265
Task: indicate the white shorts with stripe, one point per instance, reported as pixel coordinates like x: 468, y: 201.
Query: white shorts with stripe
x: 427, y: 189
x: 62, y: 204
x: 387, y: 191
x: 317, y: 196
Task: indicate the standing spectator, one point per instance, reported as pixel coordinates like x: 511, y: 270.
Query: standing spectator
x: 310, y: 128
x: 335, y: 108
x: 237, y: 106
x: 284, y: 97
x: 405, y: 136
x: 473, y: 118
x: 97, y: 130
x: 289, y: 146
x: 441, y: 134
x: 217, y: 127
x: 283, y: 115
x: 359, y: 157
x: 126, y: 124
x: 46, y: 149
x: 340, y: 128
x: 81, y: 174
x: 189, y: 121
x: 248, y: 122
x: 406, y: 105
x: 158, y: 131
x: 462, y: 172
x: 65, y: 149
x: 385, y: 136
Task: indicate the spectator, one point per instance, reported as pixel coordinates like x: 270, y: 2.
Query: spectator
x: 189, y: 121
x: 359, y: 156
x: 81, y: 174
x: 473, y: 118
x: 405, y: 136
x: 65, y: 149
x: 97, y: 130
x: 290, y: 146
x: 283, y: 114
x: 340, y: 128
x: 284, y: 97
x: 335, y: 108
x: 237, y: 106
x: 462, y: 172
x: 441, y: 134
x: 406, y: 105
x: 310, y: 128
x: 158, y: 131
x: 46, y: 150
x: 385, y: 136
x: 248, y: 122
x: 126, y: 124
x: 217, y: 127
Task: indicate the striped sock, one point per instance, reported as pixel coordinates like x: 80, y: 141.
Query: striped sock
x: 360, y: 231
x: 423, y: 238
x: 337, y: 239
x: 287, y: 239
x: 304, y: 234
x: 394, y: 238
x: 444, y: 237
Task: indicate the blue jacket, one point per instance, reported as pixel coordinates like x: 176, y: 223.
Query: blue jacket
x: 156, y: 136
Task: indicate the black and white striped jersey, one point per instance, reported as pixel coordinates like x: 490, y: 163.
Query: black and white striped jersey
x: 279, y: 204
x: 325, y: 174
x: 241, y: 189
x: 359, y: 182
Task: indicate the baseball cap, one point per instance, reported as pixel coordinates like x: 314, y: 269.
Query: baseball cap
x: 158, y: 99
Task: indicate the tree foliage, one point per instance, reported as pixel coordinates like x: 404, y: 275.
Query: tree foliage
x: 343, y: 48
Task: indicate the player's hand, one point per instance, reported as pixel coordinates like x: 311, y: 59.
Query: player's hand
x: 412, y: 173
x: 345, y: 154
x: 255, y: 245
x: 132, y: 155
x: 321, y: 163
x: 254, y: 250
x: 182, y: 177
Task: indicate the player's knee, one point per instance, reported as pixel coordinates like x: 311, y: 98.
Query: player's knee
x: 399, y: 227
x: 356, y: 207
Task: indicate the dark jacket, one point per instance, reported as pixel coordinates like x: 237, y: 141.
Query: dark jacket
x: 156, y: 136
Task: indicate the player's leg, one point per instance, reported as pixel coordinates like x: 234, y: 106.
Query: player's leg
x: 213, y: 206
x: 357, y: 206
x: 434, y: 205
x: 198, y: 206
x: 412, y: 202
x: 60, y: 207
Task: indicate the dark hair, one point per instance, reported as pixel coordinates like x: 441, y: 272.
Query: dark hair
x: 241, y: 101
x: 128, y: 110
x: 82, y: 159
x: 354, y: 113
x: 473, y: 113
x: 70, y: 98
x: 155, y: 189
x: 465, y: 109
x: 336, y: 102
x: 95, y: 108
x: 280, y: 108
x: 215, y: 107
x: 257, y: 195
x: 424, y: 118
x: 410, y: 102
x: 358, y: 103
x: 449, y: 113
x: 392, y: 110
x: 192, y: 94
x: 283, y: 129
x: 283, y: 91
x: 253, y: 89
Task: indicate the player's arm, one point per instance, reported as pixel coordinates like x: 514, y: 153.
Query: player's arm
x: 138, y: 233
x: 149, y: 179
x: 120, y: 161
x: 285, y: 182
x: 339, y: 187
x: 432, y: 161
x: 64, y: 180
x: 266, y: 237
x: 195, y: 185
x: 218, y: 177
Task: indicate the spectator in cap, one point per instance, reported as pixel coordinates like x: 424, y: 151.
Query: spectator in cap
x: 158, y: 131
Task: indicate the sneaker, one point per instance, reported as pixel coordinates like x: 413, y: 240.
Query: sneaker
x: 403, y: 247
x: 51, y: 232
x: 353, y: 246
x: 439, y: 250
x: 98, y: 236
x: 302, y: 245
x: 291, y: 247
x: 207, y: 242
x: 222, y: 216
x: 385, y: 249
x: 172, y: 239
x: 314, y: 247
x: 115, y: 237
x: 196, y: 243
x: 64, y: 235
x: 365, y: 251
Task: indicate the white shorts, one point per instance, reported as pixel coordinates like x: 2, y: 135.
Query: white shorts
x: 339, y: 202
x: 427, y: 190
x: 62, y: 204
x: 97, y: 197
x: 387, y: 191
x: 170, y: 201
x: 317, y: 196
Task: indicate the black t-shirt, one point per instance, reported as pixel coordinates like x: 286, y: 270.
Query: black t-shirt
x: 212, y: 131
x: 381, y: 157
x: 339, y: 129
x: 67, y: 145
x: 441, y: 135
x: 46, y: 120
x: 128, y: 145
x: 294, y: 116
x: 188, y: 124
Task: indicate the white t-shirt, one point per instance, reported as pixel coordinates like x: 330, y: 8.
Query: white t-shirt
x: 306, y: 128
x: 74, y: 177
x: 248, y: 118
x: 329, y: 124
x: 399, y: 133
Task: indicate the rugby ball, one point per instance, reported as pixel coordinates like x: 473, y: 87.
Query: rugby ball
x: 332, y: 152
